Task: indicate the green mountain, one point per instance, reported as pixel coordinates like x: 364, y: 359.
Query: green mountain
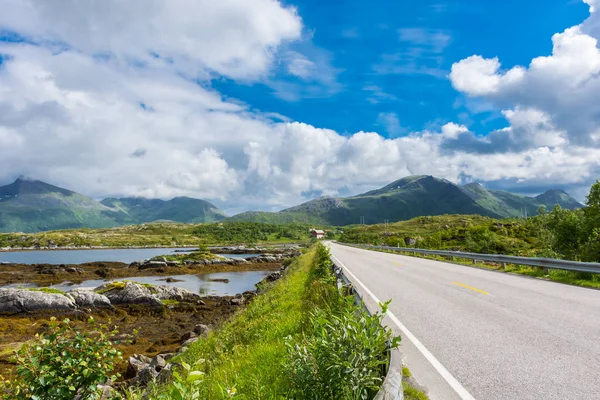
x: 179, y: 209
x: 410, y: 197
x: 32, y: 206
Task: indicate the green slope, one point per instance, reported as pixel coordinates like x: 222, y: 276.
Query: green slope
x: 179, y: 209
x: 411, y: 197
x: 31, y: 206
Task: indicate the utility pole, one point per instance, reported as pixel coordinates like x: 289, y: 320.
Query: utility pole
x: 386, y: 226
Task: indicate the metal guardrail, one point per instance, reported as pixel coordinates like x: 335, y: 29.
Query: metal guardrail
x: 497, y: 258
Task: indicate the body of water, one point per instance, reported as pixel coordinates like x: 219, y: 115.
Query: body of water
x: 203, y: 284
x: 84, y: 256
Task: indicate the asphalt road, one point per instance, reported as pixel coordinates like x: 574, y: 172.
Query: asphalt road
x: 469, y: 333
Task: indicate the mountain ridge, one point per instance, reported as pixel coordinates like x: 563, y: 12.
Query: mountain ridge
x: 28, y: 205
x: 413, y: 196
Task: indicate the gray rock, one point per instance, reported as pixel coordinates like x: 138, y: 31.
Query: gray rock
x: 14, y: 301
x: 237, y: 301
x: 137, y: 362
x: 201, y: 329
x: 132, y: 293
x: 164, y: 292
x: 153, y: 264
x: 165, y: 374
x: 145, y: 376
x: 189, y: 341
x: 160, y: 361
x: 89, y: 299
x: 189, y: 335
x: 273, y: 276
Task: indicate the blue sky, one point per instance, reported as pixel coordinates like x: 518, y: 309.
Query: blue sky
x: 394, y: 57
x: 265, y: 104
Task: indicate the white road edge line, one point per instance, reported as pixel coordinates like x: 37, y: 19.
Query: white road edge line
x: 451, y: 380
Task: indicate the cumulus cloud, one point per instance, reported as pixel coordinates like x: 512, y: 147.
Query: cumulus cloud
x: 563, y: 87
x: 234, y: 38
x: 78, y: 111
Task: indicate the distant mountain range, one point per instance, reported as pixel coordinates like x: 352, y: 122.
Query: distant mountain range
x: 411, y: 197
x: 32, y: 206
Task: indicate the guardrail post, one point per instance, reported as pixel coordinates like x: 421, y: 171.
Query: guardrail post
x: 503, y: 265
x: 474, y: 262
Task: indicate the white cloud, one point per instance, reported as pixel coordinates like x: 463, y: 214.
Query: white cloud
x: 75, y: 119
x: 299, y: 65
x: 235, y: 38
x: 563, y: 87
x: 390, y: 123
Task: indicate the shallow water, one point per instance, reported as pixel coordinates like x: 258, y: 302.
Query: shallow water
x: 84, y: 256
x: 239, y: 282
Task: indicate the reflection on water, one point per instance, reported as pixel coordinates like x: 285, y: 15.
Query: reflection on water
x: 203, y: 284
x: 84, y: 256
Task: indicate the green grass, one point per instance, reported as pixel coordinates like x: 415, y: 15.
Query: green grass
x: 170, y: 302
x: 46, y: 290
x: 411, y: 392
x: 583, y: 279
x: 165, y: 234
x: 249, y: 353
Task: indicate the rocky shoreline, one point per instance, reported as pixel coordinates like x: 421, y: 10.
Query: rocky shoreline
x: 51, y: 274
x: 154, y: 321
x: 215, y: 249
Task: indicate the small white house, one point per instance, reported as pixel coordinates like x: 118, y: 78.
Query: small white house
x: 317, y: 234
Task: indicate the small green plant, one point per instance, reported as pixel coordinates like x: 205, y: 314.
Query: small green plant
x: 342, y: 357
x: 46, y: 290
x: 185, y: 383
x: 64, y: 363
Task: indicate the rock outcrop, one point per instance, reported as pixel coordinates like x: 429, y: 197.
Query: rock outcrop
x: 129, y: 293
x: 89, y: 299
x: 15, y: 301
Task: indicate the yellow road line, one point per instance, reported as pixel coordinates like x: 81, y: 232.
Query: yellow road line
x: 397, y: 263
x: 470, y: 287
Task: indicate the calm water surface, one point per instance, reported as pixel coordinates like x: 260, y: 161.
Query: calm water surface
x: 203, y: 284
x: 83, y: 256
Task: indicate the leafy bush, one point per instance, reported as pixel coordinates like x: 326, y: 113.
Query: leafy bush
x: 342, y: 357
x: 343, y: 353
x: 64, y: 363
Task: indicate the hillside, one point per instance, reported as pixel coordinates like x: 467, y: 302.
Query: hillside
x: 179, y: 209
x: 411, y: 197
x: 33, y: 206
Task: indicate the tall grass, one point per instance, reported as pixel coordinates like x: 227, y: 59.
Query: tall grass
x: 301, y: 339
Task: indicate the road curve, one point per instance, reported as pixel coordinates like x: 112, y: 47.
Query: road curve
x: 469, y: 333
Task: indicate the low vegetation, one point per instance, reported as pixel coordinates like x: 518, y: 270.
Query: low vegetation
x: 559, y: 233
x: 64, y: 363
x: 163, y: 234
x: 300, y: 339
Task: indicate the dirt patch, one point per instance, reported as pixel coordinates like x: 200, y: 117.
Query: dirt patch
x: 158, y: 331
x: 46, y: 274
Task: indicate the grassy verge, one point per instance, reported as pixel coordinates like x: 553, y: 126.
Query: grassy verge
x: 248, y: 354
x: 584, y: 279
x: 301, y: 339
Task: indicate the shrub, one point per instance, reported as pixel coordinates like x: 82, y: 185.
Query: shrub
x: 63, y: 363
x: 342, y: 357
